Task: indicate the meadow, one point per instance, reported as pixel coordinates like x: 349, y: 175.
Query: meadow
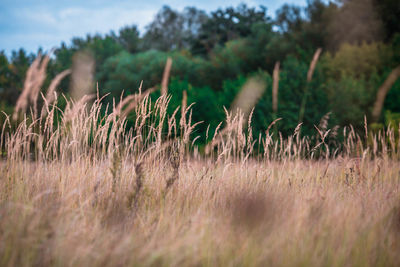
x: 213, y: 138
x: 79, y: 188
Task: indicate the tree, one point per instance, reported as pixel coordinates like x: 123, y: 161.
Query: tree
x: 228, y: 24
x: 172, y: 30
x: 101, y: 47
x: 129, y: 38
x: 355, y: 22
x: 305, y: 29
x: 289, y: 19
x: 5, y: 79
x: 389, y: 13
x: 165, y: 32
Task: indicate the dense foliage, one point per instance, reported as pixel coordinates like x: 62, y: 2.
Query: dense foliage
x: 214, y: 54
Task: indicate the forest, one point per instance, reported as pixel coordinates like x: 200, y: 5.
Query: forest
x: 214, y: 54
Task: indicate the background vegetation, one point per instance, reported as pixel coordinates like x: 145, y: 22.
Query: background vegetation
x: 214, y: 54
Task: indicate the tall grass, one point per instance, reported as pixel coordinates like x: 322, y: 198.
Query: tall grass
x: 86, y: 191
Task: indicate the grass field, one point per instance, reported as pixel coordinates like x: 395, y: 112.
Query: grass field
x: 86, y: 191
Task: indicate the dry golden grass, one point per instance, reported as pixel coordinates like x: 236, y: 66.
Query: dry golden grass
x: 275, y: 86
x: 89, y: 192
x: 83, y: 67
x: 165, y: 78
x: 35, y: 76
x: 313, y: 64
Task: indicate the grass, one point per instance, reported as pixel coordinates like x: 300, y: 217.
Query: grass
x: 88, y: 192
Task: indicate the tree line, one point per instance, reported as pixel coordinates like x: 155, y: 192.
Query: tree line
x: 215, y: 53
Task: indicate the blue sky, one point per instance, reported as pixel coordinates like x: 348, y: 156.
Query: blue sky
x: 31, y: 24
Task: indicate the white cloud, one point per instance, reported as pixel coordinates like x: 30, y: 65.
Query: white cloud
x: 42, y: 27
x: 87, y: 20
x: 33, y: 25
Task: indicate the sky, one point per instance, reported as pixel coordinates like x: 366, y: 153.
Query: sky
x: 31, y: 24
